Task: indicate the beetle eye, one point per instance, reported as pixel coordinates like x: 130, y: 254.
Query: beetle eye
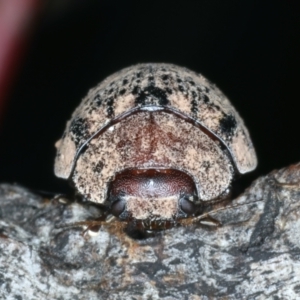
x: 118, y: 207
x: 187, y: 206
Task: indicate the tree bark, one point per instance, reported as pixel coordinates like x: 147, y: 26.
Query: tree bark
x: 252, y: 254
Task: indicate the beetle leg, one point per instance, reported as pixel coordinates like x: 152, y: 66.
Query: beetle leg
x: 204, y: 219
x: 291, y: 185
x: 91, y: 225
x: 208, y: 221
x: 62, y: 199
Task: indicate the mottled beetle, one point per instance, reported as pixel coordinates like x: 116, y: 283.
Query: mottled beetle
x: 153, y: 144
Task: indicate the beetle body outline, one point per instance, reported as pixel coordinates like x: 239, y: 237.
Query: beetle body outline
x: 165, y: 98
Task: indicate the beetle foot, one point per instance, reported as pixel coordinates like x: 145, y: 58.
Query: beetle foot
x: 92, y: 226
x: 62, y: 199
x: 291, y: 185
x: 206, y: 220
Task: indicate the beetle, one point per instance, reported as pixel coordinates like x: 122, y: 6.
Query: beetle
x: 154, y: 144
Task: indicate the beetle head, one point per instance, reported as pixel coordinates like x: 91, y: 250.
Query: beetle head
x: 153, y: 199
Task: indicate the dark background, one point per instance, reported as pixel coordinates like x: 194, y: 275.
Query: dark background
x: 250, y: 49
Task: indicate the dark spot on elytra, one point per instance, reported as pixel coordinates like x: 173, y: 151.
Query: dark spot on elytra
x: 151, y: 78
x: 98, y: 168
x: 207, y: 90
x: 79, y: 128
x: 123, y: 91
x: 110, y: 107
x: 132, y: 79
x: 165, y: 77
x: 144, y: 96
x: 181, y: 88
x: 97, y: 100
x: 192, y: 82
x: 179, y: 80
x: 194, y: 102
x: 110, y: 91
x: 228, y: 124
x: 205, y: 98
x: 138, y: 75
x: 206, y: 165
x: 136, y: 90
x: 169, y: 91
x: 125, y: 81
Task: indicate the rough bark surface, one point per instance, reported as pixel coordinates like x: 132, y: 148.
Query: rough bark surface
x: 253, y: 254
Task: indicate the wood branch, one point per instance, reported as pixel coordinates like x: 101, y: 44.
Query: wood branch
x: 253, y: 254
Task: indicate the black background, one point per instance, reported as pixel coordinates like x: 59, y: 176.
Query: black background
x: 250, y: 49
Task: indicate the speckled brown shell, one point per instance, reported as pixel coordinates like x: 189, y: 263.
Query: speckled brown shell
x: 152, y: 88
